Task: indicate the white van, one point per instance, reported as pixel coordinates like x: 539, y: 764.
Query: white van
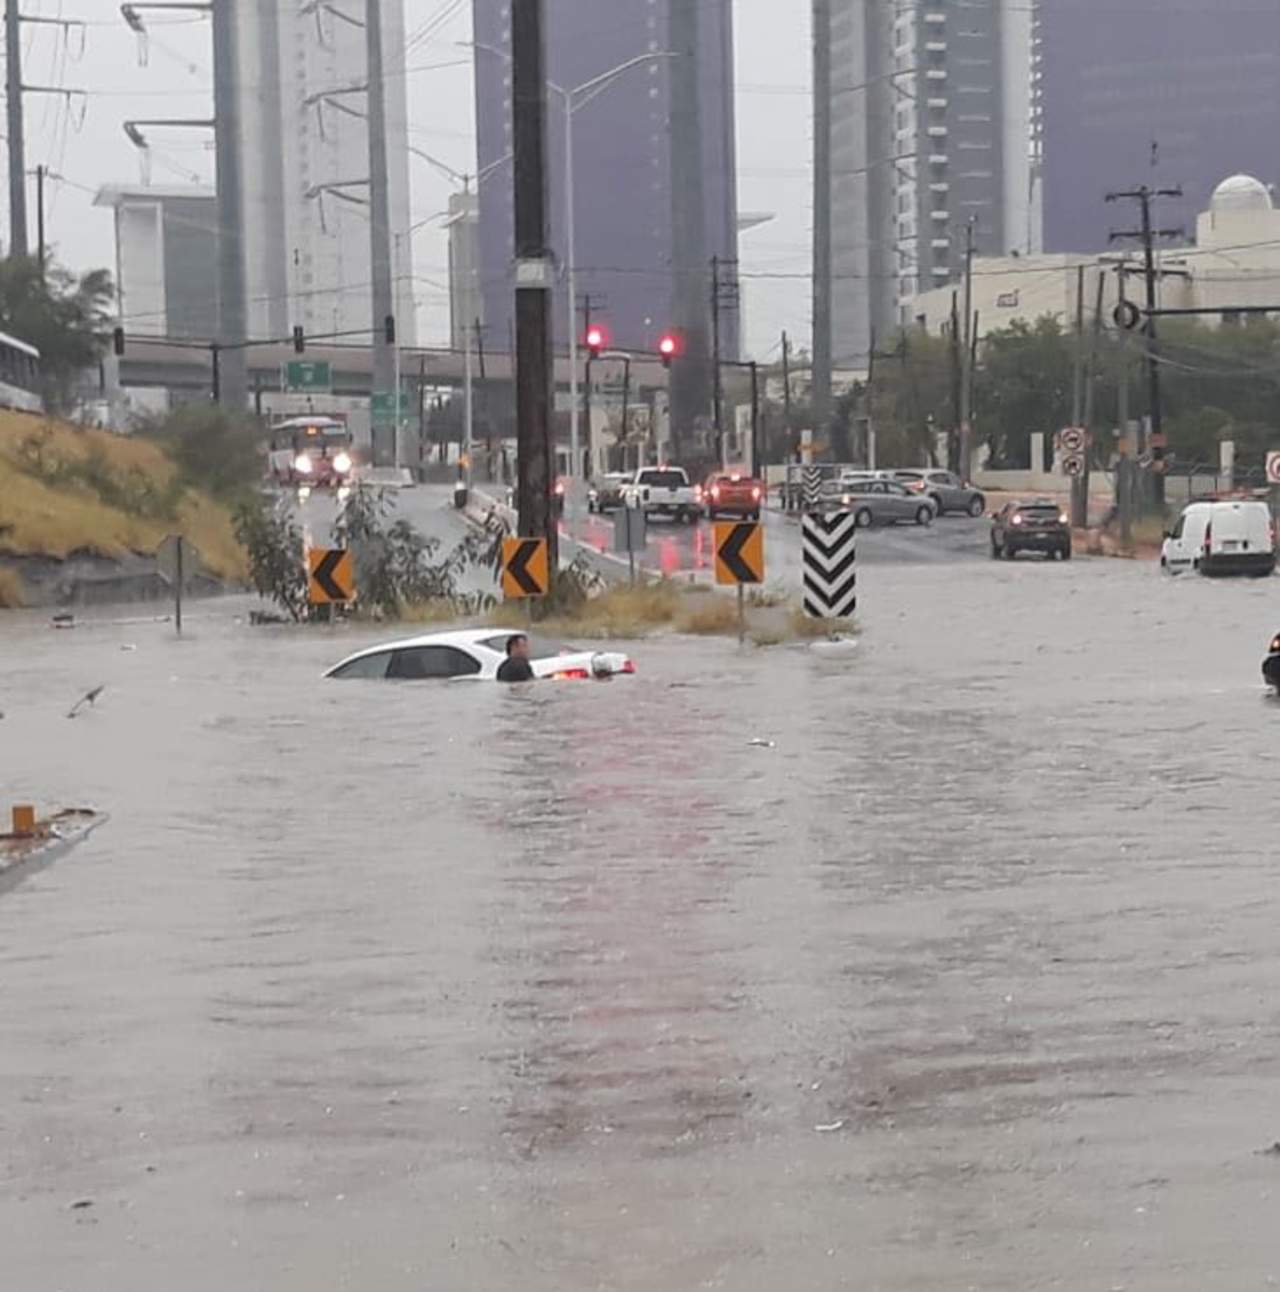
x: 1222, y: 538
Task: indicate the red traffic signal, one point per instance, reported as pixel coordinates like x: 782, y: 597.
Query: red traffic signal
x: 595, y: 341
x: 668, y: 348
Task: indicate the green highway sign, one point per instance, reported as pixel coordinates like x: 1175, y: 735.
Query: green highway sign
x: 308, y: 375
x: 383, y: 406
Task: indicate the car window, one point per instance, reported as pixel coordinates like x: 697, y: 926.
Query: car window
x: 664, y: 479
x: 539, y: 647
x: 942, y: 478
x: 432, y: 661
x: 365, y: 666
x: 1040, y: 511
x: 1180, y: 526
x: 908, y: 475
x: 896, y: 489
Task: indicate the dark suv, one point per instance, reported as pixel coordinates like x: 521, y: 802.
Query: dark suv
x: 1036, y: 526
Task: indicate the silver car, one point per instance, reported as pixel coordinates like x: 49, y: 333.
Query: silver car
x: 885, y: 502
x: 945, y: 488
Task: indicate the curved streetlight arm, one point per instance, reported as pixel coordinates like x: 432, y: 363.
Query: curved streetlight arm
x: 582, y: 94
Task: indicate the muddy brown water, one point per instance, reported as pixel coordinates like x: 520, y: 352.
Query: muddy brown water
x: 967, y: 982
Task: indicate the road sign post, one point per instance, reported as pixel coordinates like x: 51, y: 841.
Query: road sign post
x: 739, y: 560
x: 331, y: 576
x: 829, y: 555
x: 169, y: 561
x: 526, y: 568
x: 629, y: 535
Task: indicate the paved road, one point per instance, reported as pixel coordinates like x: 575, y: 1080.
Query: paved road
x: 965, y: 982
x: 675, y: 549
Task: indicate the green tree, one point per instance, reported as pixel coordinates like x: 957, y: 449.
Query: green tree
x: 67, y: 317
x: 1023, y: 384
x: 215, y: 449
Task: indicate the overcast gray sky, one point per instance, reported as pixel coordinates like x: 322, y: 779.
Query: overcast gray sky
x: 81, y: 139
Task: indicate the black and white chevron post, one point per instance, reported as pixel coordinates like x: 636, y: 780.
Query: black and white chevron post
x: 829, y: 547
x: 811, y: 488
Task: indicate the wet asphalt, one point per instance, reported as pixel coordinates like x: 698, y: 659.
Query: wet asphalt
x: 946, y: 966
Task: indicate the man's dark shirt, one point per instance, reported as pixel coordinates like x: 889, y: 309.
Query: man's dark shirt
x: 515, y: 670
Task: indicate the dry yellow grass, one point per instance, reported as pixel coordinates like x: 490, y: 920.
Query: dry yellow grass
x: 619, y: 614
x: 47, y: 520
x: 714, y: 615
x: 10, y: 589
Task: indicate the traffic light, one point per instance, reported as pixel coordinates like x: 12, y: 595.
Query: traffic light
x: 389, y: 329
x: 595, y: 341
x: 299, y: 340
x: 117, y: 340
x: 668, y: 348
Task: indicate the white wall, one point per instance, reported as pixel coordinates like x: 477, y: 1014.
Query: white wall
x: 140, y: 267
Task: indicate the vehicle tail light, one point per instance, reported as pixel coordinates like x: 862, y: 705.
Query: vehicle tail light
x: 1063, y: 518
x: 755, y: 494
x: 560, y: 488
x: 697, y: 493
x: 628, y: 666
x: 571, y: 675
x: 715, y: 491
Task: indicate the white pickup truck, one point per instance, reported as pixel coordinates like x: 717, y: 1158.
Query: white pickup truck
x: 664, y: 491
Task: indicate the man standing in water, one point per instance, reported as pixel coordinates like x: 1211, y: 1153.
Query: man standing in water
x: 516, y: 667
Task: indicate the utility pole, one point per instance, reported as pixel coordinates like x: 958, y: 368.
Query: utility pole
x: 786, y: 389
x: 586, y: 368
x: 970, y: 339
x: 1079, y: 505
x: 1090, y: 389
x: 383, y: 300
x: 40, y: 243
x: 18, y: 245
x: 1144, y: 196
x: 232, y: 305
x: 757, y: 465
x: 533, y: 276
x: 717, y: 389
x: 822, y: 355
x: 468, y: 411
x: 689, y: 384
x: 957, y: 386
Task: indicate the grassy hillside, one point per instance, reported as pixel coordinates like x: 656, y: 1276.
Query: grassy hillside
x: 65, y: 490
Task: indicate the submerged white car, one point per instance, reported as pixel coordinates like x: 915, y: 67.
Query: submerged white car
x: 476, y: 653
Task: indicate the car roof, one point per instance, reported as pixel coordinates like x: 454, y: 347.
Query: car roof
x: 459, y: 637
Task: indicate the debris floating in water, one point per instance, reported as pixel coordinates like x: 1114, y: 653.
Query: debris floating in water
x: 89, y: 697
x: 760, y: 743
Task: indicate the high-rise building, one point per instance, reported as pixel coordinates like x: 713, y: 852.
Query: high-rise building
x: 930, y: 112
x: 302, y: 89
x: 626, y: 153
x: 466, y: 306
x: 1165, y: 93
x: 166, y: 259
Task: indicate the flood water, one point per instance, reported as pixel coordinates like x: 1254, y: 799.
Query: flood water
x: 950, y: 966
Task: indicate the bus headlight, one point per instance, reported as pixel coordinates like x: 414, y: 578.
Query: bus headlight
x: 302, y: 464
x: 342, y: 463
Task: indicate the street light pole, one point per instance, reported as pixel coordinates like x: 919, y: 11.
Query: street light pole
x: 571, y: 314
x: 571, y: 100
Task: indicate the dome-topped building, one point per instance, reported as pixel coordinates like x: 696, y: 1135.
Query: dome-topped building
x: 1240, y: 193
